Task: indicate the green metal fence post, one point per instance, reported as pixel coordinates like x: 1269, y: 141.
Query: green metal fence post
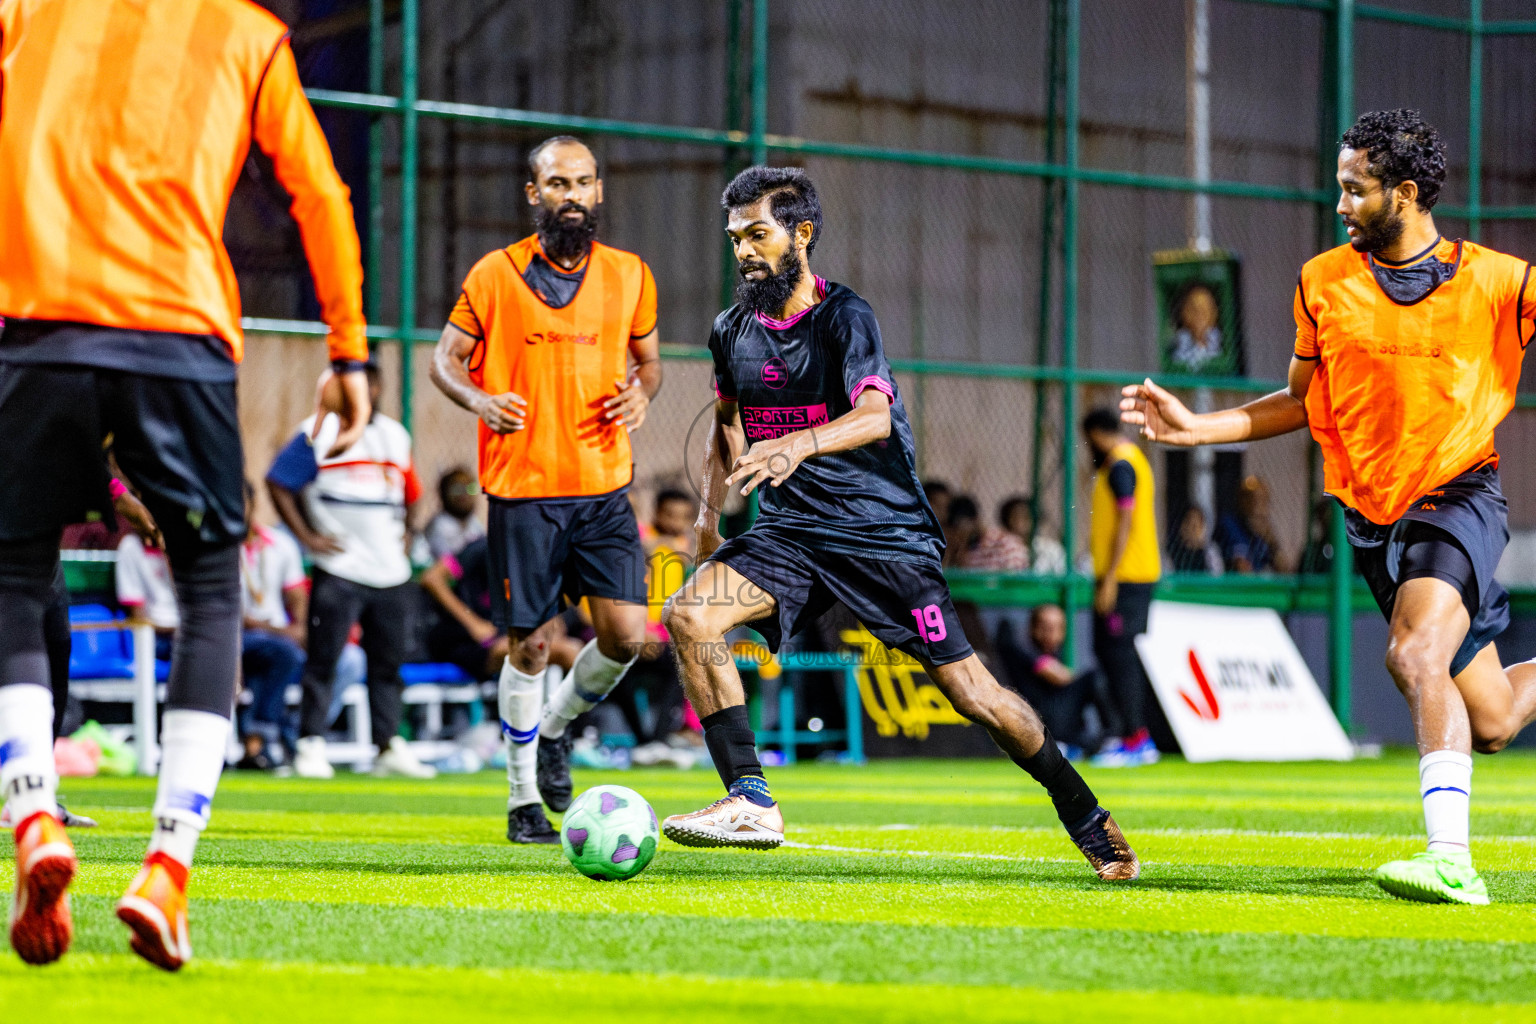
x: 759, y: 81
x: 1069, y: 319
x: 732, y: 123
x: 1341, y: 618
x: 372, y: 292
x: 409, y: 42
x: 1475, y: 122
x: 1049, y: 186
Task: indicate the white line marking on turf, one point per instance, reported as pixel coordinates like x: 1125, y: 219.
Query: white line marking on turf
x: 828, y: 848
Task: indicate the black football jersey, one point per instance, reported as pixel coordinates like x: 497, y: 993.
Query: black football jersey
x: 803, y: 373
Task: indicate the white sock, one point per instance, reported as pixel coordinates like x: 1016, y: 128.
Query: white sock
x: 519, y: 697
x: 28, y: 779
x: 193, y: 745
x: 591, y: 678
x: 1445, y: 782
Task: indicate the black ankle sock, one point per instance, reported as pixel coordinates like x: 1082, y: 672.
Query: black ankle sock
x: 1075, y: 802
x: 728, y: 735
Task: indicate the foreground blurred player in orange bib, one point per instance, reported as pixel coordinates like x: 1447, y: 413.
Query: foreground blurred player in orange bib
x: 1408, y: 353
x: 539, y: 347
x: 123, y: 127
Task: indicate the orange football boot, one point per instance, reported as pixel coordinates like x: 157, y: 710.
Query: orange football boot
x: 155, y: 907
x: 41, y: 928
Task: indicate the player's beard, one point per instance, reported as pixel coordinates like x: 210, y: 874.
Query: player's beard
x: 565, y: 238
x: 1378, y: 233
x: 769, y: 295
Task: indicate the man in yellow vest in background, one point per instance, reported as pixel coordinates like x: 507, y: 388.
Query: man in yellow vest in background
x: 1126, y: 565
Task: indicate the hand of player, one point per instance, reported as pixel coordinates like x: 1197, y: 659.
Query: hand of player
x: 483, y: 633
x: 133, y: 510
x: 323, y: 543
x: 1160, y: 416
x: 1105, y: 593
x: 629, y: 405
x: 346, y: 395
x: 504, y: 414
x: 772, y: 461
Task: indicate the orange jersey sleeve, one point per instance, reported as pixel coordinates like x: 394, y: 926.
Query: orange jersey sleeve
x: 464, y: 317
x: 645, y: 309
x: 1306, y: 325
x: 285, y: 128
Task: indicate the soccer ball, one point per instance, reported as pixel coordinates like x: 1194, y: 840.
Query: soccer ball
x: 610, y: 833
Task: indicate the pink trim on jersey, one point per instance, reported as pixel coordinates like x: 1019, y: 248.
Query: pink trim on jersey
x: 723, y: 397
x: 116, y: 488
x: 1126, y: 502
x: 451, y: 563
x: 782, y: 325
x: 871, y: 382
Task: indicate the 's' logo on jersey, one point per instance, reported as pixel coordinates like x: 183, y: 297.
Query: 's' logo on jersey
x: 775, y: 373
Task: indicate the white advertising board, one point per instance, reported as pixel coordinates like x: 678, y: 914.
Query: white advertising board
x: 1235, y: 688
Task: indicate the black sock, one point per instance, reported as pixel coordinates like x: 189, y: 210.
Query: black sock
x: 728, y: 735
x: 1075, y: 802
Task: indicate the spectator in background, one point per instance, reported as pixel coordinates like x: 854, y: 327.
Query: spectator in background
x: 464, y: 634
x: 972, y: 545
x: 669, y: 552
x: 1034, y: 669
x: 1046, y: 555
x: 1126, y: 566
x: 275, y: 603
x: 350, y: 510
x: 938, y: 494
x: 456, y: 525
x: 1191, y: 549
x: 1247, y: 538
x: 145, y: 590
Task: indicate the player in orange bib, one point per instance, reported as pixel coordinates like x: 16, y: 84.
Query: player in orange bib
x: 540, y: 347
x: 1408, y: 353
x: 124, y: 125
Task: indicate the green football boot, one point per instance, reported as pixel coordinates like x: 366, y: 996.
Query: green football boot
x: 1434, y: 878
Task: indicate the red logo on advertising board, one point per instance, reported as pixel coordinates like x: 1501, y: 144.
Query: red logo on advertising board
x: 1208, y: 708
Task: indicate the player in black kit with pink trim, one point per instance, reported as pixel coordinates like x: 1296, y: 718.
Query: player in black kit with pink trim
x: 803, y: 385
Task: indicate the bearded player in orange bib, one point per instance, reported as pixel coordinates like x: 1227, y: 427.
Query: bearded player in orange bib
x: 539, y: 347
x: 1408, y: 353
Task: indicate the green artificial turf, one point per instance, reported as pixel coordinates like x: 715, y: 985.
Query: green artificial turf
x: 914, y: 891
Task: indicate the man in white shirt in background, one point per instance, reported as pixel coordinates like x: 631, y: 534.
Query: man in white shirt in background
x: 349, y: 510
x: 275, y: 600
x: 145, y: 590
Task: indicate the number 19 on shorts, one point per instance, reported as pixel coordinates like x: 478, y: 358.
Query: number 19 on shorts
x: 930, y: 623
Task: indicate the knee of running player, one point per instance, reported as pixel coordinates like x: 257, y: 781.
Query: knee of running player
x: 693, y: 625
x: 529, y: 652
x: 1416, y: 660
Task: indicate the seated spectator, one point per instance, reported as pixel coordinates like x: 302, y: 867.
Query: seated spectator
x: 1033, y: 668
x: 464, y: 633
x: 145, y: 590
x: 275, y: 598
x: 669, y: 551
x: 456, y: 525
x: 1247, y: 539
x: 1046, y: 555
x: 970, y: 545
x: 1190, y: 549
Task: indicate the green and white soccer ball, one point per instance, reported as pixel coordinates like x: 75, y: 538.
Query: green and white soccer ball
x: 610, y: 833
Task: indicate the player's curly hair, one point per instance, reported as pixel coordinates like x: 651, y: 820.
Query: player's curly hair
x: 794, y: 197
x: 1401, y: 146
